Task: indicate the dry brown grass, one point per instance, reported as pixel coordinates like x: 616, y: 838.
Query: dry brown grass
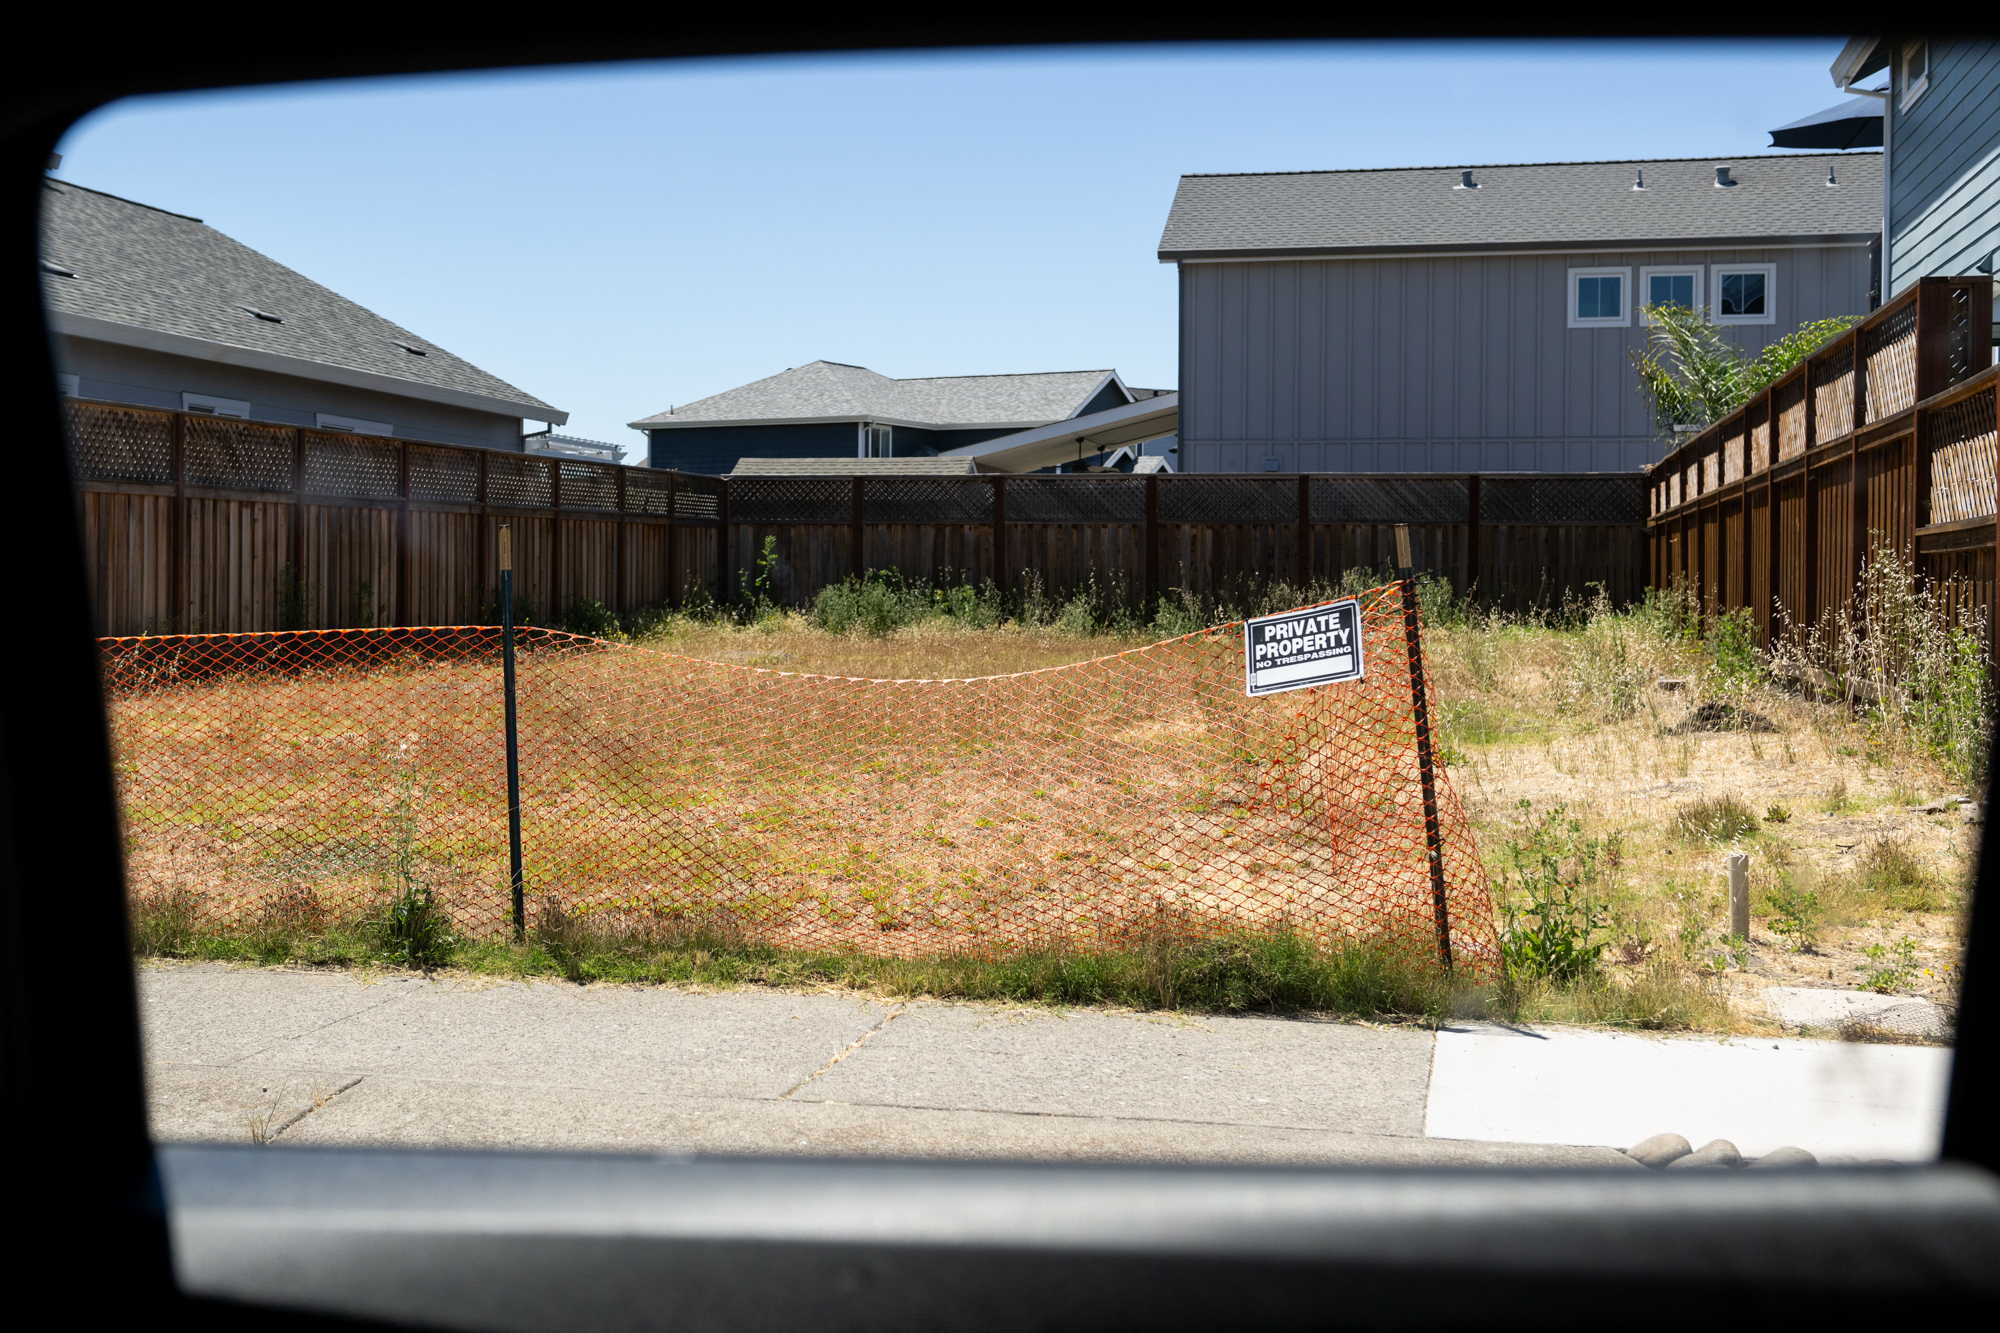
x: 1582, y: 719
x: 933, y: 650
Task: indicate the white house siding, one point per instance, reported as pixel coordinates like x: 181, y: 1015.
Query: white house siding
x: 1945, y: 159
x: 1448, y: 364
x: 147, y: 378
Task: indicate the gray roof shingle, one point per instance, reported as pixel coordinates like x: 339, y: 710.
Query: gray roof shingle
x: 1571, y: 205
x: 150, y: 269
x: 830, y: 391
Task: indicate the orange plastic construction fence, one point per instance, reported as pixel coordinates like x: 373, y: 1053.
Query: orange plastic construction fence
x: 320, y: 774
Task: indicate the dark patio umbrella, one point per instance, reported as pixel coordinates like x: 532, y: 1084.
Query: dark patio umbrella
x: 1855, y: 123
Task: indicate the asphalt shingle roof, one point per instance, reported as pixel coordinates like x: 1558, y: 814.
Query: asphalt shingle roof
x: 830, y: 391
x: 161, y: 271
x: 1569, y: 204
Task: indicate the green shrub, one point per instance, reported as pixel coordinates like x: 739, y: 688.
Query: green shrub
x: 592, y: 619
x: 1551, y: 913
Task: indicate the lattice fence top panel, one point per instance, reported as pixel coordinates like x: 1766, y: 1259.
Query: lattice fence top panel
x: 238, y: 455
x: 588, y: 485
x: 648, y: 492
x: 1084, y: 499
x: 928, y: 500
x: 698, y: 500
x: 352, y: 465
x: 1139, y: 796
x: 443, y: 476
x: 1833, y: 393
x: 114, y: 444
x: 516, y: 481
x: 1389, y: 500
x: 1584, y: 500
x: 1197, y: 499
x: 1791, y: 405
x: 1963, y: 446
x: 1891, y: 352
x: 791, y: 500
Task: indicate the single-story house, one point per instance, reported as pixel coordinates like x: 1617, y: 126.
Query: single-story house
x: 1482, y: 319
x: 828, y: 410
x: 160, y: 310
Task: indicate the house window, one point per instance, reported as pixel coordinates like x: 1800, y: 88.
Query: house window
x: 876, y: 442
x: 1597, y: 297
x: 1916, y: 73
x: 1670, y: 286
x: 1746, y: 294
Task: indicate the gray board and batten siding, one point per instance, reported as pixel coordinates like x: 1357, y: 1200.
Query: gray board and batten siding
x: 1331, y: 323
x: 1945, y: 191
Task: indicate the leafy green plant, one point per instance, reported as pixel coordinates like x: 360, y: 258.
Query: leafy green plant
x: 1894, y: 966
x: 1733, y: 660
x: 1776, y: 814
x: 1692, y: 375
x: 1795, y: 912
x: 1545, y: 884
x: 416, y: 930
x: 590, y: 618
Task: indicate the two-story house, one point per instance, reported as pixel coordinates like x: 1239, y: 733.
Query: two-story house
x: 1455, y: 319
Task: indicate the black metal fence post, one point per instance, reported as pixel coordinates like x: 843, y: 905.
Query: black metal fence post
x: 1427, y: 775
x: 513, y: 747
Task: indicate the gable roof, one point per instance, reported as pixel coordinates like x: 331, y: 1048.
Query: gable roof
x: 828, y: 391
x: 1537, y: 206
x: 146, y: 277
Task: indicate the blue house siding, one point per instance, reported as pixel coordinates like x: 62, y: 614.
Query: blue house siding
x: 714, y: 449
x: 1445, y: 364
x: 1944, y: 201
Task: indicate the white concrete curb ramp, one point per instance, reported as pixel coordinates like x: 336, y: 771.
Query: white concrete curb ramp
x: 1834, y: 1099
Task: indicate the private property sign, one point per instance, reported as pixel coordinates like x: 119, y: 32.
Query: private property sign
x: 1320, y: 646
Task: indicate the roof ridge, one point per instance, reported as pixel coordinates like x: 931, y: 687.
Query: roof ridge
x: 1007, y: 374
x: 1493, y: 166
x: 106, y: 194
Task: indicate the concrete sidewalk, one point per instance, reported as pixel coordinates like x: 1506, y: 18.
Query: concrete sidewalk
x: 242, y: 1054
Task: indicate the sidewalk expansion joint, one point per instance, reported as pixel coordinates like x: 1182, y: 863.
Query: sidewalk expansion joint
x: 856, y: 1045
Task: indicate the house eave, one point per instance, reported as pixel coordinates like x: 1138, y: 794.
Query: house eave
x: 249, y: 358
x: 650, y: 424
x: 1545, y: 247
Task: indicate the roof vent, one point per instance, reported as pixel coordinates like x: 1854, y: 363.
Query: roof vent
x: 50, y: 266
x: 413, y: 351
x: 1639, y: 178
x: 264, y: 315
x: 1465, y: 182
x: 1831, y: 179
x: 1722, y: 181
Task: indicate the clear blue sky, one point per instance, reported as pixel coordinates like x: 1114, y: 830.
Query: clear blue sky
x: 615, y: 239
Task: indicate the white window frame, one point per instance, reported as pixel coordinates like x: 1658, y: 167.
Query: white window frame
x: 864, y: 429
x: 209, y: 405
x: 1912, y: 90
x: 352, y: 425
x: 1770, y: 272
x: 1624, y: 316
x: 1647, y: 274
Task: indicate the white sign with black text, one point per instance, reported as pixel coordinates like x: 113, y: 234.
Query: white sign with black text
x: 1298, y: 649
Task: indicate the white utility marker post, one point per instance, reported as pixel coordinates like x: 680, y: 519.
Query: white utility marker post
x: 1739, y: 894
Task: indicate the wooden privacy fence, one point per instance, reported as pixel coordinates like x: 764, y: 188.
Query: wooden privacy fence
x: 196, y: 523
x: 1886, y: 435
